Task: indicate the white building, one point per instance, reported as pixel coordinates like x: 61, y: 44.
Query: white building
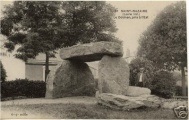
x: 35, y: 68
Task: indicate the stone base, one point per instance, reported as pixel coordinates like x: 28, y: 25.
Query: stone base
x: 121, y: 102
x: 137, y: 91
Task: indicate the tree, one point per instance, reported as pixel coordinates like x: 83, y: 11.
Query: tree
x: 164, y: 42
x: 3, y: 73
x: 89, y: 21
x: 44, y: 27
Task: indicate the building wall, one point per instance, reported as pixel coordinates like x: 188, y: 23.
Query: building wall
x: 37, y: 71
x: 15, y: 68
x: 34, y: 72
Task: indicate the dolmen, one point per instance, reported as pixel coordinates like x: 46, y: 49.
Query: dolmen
x: 73, y: 77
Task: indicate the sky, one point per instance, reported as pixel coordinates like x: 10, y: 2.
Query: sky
x: 129, y: 30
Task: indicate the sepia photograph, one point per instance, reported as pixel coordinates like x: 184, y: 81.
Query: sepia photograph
x: 93, y: 59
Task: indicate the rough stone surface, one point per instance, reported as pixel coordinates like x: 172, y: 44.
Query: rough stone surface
x: 70, y: 78
x: 171, y: 104
x: 92, y: 51
x: 121, y: 102
x: 137, y: 91
x: 113, y: 75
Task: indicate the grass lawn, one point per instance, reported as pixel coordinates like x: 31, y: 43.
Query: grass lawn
x: 83, y: 111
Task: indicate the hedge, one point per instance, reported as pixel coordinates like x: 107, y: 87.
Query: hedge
x: 23, y: 87
x: 3, y: 72
x: 162, y: 83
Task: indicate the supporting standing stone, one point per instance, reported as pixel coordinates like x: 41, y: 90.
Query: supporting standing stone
x: 71, y: 78
x: 113, y: 75
x: 92, y: 51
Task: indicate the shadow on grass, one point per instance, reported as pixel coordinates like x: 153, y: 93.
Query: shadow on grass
x: 94, y: 111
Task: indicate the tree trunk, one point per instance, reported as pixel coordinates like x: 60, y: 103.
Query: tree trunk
x: 183, y: 81
x: 47, y: 65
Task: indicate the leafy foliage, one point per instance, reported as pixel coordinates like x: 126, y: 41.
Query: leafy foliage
x: 23, y: 87
x: 3, y: 73
x: 135, y: 66
x: 164, y: 42
x: 163, y: 84
x: 45, y: 26
x: 30, y: 25
x: 40, y: 27
x: 89, y: 21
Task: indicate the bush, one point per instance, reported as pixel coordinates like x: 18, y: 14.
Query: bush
x: 3, y: 73
x: 23, y: 87
x: 163, y: 84
x: 135, y: 66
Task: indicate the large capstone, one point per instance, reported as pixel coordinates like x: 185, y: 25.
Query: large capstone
x: 92, y: 51
x: 70, y: 78
x: 113, y: 75
x: 121, y: 102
